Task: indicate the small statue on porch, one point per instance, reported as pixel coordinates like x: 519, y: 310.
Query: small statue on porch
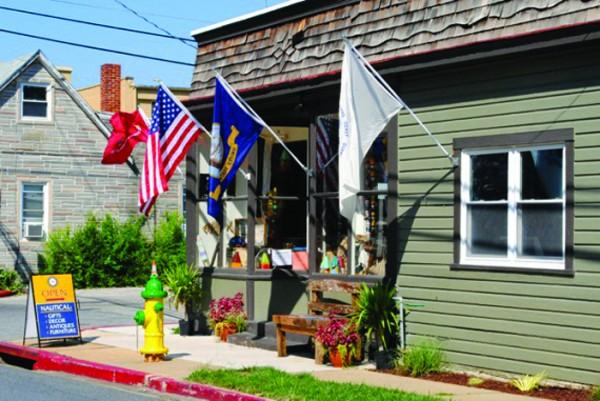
x: 330, y: 263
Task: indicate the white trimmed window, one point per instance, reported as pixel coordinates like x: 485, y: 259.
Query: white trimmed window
x: 513, y: 204
x: 35, y: 101
x: 34, y: 206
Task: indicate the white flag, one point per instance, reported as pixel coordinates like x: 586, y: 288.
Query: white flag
x: 366, y: 107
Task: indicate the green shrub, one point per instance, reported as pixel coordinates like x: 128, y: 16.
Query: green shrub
x: 109, y: 253
x: 423, y: 358
x: 595, y: 395
x: 169, y: 242
x: 10, y: 280
x: 528, y: 383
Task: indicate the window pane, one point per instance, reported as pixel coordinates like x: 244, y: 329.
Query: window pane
x: 33, y: 215
x: 33, y: 188
x: 542, y: 172
x: 235, y: 215
x: 369, y: 243
x: 489, y: 177
x: 487, y: 230
x: 541, y: 230
x: 33, y: 201
x: 34, y: 92
x: 34, y: 109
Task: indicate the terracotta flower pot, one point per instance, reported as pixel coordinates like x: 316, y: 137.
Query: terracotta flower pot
x: 226, y: 330
x: 335, y: 357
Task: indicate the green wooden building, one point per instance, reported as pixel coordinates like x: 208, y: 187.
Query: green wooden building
x: 502, y: 246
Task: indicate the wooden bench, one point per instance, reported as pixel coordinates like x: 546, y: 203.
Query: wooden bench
x: 319, y: 310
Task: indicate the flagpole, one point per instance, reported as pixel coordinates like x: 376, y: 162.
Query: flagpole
x: 259, y: 120
x: 330, y: 161
x: 399, y: 100
x: 154, y: 228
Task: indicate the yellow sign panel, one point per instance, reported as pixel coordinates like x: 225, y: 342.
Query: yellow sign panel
x: 55, y: 306
x: 53, y: 288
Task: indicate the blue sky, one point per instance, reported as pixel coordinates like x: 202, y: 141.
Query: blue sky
x: 179, y: 17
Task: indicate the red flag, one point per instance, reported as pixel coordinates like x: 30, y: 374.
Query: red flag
x: 128, y: 130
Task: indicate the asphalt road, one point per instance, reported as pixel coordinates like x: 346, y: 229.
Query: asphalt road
x: 24, y: 385
x: 98, y: 307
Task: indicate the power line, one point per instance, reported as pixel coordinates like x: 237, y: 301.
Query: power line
x: 131, y: 10
x: 102, y: 49
x: 119, y: 28
x: 75, y: 3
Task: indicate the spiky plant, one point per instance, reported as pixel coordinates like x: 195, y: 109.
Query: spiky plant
x: 527, y: 383
x: 183, y: 282
x: 376, y: 314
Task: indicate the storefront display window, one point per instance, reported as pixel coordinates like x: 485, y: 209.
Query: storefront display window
x: 272, y: 191
x: 341, y: 251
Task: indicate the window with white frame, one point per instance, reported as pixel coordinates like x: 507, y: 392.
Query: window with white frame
x: 35, y: 101
x: 513, y: 206
x: 33, y: 210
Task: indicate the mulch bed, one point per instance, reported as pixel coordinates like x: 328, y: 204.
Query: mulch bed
x: 551, y: 393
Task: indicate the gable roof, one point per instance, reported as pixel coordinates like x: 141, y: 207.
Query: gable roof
x: 8, y: 68
x: 9, y: 71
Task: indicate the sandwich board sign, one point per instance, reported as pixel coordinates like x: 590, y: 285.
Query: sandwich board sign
x: 52, y: 301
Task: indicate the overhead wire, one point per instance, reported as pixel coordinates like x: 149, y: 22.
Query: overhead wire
x: 131, y: 10
x: 119, y: 28
x: 102, y: 49
x: 75, y: 3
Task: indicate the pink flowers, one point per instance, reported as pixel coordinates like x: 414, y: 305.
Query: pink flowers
x: 227, y: 309
x: 336, y: 333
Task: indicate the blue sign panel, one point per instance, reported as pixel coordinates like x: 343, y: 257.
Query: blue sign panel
x: 57, y: 320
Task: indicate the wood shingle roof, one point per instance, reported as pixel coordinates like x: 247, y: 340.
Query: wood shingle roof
x: 310, y: 45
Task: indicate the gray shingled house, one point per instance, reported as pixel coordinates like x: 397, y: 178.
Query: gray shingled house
x: 503, y: 248
x: 50, y: 171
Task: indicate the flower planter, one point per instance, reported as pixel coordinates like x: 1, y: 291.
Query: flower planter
x: 335, y: 357
x: 384, y: 359
x: 185, y: 328
x: 224, y: 330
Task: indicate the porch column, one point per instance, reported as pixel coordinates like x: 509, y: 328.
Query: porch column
x: 191, y: 203
x: 312, y: 188
x: 250, y: 231
x: 392, y: 257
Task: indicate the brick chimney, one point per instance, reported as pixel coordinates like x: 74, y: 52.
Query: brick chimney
x: 110, y: 87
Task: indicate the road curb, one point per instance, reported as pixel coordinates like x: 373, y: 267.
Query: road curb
x: 50, y: 361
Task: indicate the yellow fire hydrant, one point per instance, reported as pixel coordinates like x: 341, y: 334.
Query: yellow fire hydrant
x: 151, y: 318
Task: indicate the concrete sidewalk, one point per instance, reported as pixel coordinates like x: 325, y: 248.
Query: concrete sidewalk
x: 116, y: 346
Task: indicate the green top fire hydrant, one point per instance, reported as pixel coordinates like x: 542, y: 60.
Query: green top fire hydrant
x: 151, y: 318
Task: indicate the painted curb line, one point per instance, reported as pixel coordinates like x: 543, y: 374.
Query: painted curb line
x: 50, y: 361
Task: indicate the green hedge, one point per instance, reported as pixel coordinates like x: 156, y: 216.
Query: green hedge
x: 10, y: 280
x: 109, y: 253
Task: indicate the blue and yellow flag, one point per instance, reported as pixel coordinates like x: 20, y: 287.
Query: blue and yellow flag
x: 234, y: 132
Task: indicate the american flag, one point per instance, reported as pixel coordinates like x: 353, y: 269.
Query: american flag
x: 325, y: 152
x: 172, y: 131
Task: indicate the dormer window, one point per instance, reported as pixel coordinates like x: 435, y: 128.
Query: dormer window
x: 35, y: 101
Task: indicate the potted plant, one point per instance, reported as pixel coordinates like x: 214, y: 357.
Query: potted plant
x: 376, y: 315
x: 227, y: 316
x: 340, y: 340
x: 184, y: 286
